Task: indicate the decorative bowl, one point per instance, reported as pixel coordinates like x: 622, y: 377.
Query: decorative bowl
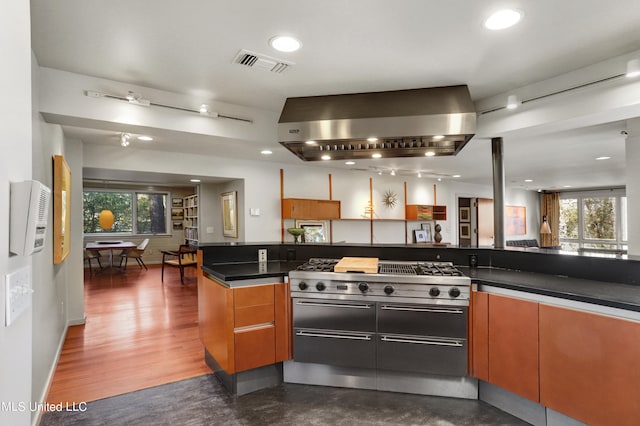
x: 296, y: 232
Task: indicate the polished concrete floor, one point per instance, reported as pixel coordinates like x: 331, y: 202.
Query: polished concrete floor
x: 203, y: 401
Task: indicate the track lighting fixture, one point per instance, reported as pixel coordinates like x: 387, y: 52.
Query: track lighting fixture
x: 512, y: 102
x: 633, y: 68
x: 138, y: 99
x: 124, y: 139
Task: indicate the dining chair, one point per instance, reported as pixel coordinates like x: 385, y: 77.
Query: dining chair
x: 90, y: 255
x: 185, y: 256
x: 134, y: 253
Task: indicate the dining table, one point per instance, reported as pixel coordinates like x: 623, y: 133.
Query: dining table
x: 110, y: 246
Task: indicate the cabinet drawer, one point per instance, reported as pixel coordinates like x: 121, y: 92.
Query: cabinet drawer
x: 340, y: 348
x: 252, y: 296
x: 255, y: 348
x: 254, y: 315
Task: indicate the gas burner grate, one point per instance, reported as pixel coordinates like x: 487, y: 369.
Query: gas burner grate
x: 396, y: 269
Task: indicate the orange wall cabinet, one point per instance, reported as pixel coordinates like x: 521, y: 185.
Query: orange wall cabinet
x: 244, y: 328
x: 590, y: 366
x: 513, y: 345
x: 302, y: 208
x: 480, y: 335
x: 424, y: 212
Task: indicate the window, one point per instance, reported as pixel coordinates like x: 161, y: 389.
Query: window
x: 134, y: 212
x: 593, y: 222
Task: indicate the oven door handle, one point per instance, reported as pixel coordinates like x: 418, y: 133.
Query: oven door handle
x: 433, y: 342
x: 335, y: 305
x: 416, y: 309
x: 334, y: 335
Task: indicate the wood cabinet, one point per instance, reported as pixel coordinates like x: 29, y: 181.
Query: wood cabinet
x: 590, y: 366
x: 505, y: 343
x: 244, y: 328
x: 302, y: 208
x: 513, y: 345
x: 479, y: 335
x: 425, y: 212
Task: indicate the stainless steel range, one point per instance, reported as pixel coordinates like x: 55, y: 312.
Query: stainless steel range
x: 401, y: 329
x: 437, y: 283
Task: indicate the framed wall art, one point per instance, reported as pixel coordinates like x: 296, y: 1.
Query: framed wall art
x: 465, y: 214
x: 230, y: 214
x: 61, y: 209
x: 465, y: 230
x: 515, y: 220
x: 420, y: 236
x: 426, y: 227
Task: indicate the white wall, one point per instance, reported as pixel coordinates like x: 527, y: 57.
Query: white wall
x: 260, y: 184
x: 15, y: 165
x: 633, y: 184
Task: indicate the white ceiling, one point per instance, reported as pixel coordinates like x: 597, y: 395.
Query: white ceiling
x: 353, y: 46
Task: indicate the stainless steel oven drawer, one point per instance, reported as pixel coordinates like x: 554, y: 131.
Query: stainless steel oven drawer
x: 334, y: 315
x: 427, y: 320
x: 421, y: 354
x: 340, y: 348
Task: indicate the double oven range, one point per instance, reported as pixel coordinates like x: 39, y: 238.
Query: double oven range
x: 401, y: 329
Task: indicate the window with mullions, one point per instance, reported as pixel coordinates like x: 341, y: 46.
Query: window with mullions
x: 593, y: 221
x: 134, y: 212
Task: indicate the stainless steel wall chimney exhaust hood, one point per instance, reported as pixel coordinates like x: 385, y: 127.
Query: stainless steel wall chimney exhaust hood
x: 402, y: 123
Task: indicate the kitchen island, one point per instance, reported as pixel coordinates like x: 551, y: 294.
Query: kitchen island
x: 522, y: 305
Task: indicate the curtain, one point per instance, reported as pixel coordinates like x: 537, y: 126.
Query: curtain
x: 550, y: 207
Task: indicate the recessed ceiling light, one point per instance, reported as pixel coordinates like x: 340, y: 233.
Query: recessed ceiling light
x: 438, y: 137
x: 326, y: 157
x: 311, y: 142
x: 419, y: 174
x: 429, y: 153
x: 633, y: 68
x: 285, y: 43
x: 349, y: 163
x: 376, y: 155
x: 456, y: 176
x: 393, y: 172
x: 566, y: 186
x: 266, y: 152
x: 439, y: 179
x: 502, y: 19
x: 603, y: 158
x: 145, y: 138
x: 528, y: 180
x: 194, y: 180
x: 372, y: 139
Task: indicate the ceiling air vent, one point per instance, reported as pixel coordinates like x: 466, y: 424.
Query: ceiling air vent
x: 260, y: 61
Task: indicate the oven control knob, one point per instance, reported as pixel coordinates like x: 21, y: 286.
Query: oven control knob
x: 303, y: 285
x: 363, y: 287
x: 434, y: 292
x: 454, y: 292
x: 388, y: 289
x: 320, y: 286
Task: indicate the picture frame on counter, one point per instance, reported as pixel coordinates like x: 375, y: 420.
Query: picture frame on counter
x: 315, y: 231
x: 229, y: 202
x: 420, y: 236
x: 426, y: 227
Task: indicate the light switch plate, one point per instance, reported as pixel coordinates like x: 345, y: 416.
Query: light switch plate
x: 254, y: 211
x: 17, y: 294
x: 262, y: 255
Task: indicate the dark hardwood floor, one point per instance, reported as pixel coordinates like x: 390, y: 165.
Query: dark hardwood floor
x: 139, y: 333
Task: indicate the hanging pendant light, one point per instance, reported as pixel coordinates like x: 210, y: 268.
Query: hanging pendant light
x: 544, y: 227
x: 106, y: 219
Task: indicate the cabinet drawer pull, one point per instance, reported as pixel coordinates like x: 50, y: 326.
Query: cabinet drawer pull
x: 454, y: 343
x: 335, y: 305
x: 416, y: 309
x: 334, y: 336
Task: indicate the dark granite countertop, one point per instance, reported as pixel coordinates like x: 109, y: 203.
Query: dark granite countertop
x: 615, y: 295
x: 236, y: 271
